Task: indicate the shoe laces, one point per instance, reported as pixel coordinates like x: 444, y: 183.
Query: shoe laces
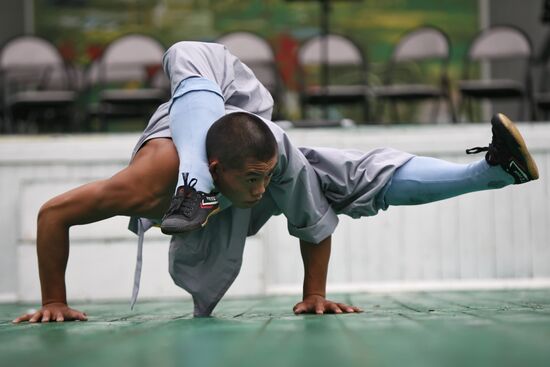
x: 476, y: 150
x: 493, y: 156
x: 186, y: 198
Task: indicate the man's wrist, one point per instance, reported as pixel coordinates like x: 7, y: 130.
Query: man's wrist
x: 313, y: 294
x: 51, y: 301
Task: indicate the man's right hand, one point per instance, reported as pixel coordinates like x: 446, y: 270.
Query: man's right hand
x: 53, y: 312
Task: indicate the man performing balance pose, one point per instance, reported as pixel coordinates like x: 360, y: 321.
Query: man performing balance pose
x: 258, y: 173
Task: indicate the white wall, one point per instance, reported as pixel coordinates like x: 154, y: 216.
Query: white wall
x: 499, y: 236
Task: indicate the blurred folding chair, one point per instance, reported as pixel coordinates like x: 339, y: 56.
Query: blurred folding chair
x: 502, y: 46
x: 419, y: 53
x: 129, y: 79
x: 258, y: 55
x: 35, y: 86
x: 346, y: 68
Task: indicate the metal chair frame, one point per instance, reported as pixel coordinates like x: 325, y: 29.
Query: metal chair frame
x: 416, y: 48
x: 35, y: 82
x: 128, y: 60
x: 498, y: 43
x: 257, y: 53
x: 336, y: 51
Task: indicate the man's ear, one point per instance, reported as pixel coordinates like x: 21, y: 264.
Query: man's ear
x: 214, y: 168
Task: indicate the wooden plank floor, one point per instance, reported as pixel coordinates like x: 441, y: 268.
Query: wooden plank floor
x: 482, y: 328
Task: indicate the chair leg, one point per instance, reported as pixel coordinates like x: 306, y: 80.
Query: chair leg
x: 522, y: 111
x: 102, y: 115
x: 8, y: 126
x: 436, y: 109
x: 303, y: 108
x: 452, y: 111
x: 394, y: 111
x: 366, y: 111
x: 378, y: 104
x: 470, y: 108
x: 460, y: 109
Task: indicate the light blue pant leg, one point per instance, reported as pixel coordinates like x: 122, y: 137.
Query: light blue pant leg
x: 197, y: 105
x: 423, y: 180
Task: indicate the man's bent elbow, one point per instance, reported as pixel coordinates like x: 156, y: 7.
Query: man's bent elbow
x: 49, y: 212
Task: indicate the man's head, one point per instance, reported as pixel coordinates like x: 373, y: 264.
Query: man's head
x: 242, y: 154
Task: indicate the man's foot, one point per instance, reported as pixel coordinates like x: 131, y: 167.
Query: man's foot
x: 189, y: 209
x: 508, y: 150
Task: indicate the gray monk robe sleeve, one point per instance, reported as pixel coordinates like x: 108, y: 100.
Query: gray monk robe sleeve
x: 296, y: 191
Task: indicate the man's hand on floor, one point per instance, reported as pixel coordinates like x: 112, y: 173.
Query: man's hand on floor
x: 320, y: 305
x: 53, y: 312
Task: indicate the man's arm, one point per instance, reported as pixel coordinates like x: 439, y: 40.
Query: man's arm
x: 143, y: 189
x: 52, y: 246
x: 316, y: 258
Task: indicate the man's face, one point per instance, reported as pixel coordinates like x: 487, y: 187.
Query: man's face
x: 243, y: 186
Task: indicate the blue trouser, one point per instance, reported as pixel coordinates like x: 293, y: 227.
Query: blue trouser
x: 424, y: 179
x: 197, y: 104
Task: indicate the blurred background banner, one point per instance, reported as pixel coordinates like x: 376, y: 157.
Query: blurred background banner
x: 82, y: 28
x: 376, y: 23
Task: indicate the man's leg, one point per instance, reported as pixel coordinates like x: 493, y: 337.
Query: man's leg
x: 424, y: 179
x: 197, y: 104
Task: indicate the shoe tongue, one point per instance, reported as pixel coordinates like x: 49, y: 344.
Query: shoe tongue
x: 182, y: 191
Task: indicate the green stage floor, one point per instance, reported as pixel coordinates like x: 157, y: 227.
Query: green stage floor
x: 482, y: 328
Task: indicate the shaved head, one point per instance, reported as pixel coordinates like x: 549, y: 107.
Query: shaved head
x: 238, y: 137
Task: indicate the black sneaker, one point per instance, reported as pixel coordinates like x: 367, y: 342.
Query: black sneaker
x: 189, y: 209
x: 508, y: 150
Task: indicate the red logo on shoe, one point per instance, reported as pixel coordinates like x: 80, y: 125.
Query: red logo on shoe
x: 208, y: 203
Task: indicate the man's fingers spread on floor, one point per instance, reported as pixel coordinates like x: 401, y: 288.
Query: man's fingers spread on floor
x: 25, y: 317
x: 59, y: 318
x: 79, y: 316
x: 335, y: 308
x: 46, y: 316
x: 36, y: 317
x: 348, y: 309
x: 343, y: 307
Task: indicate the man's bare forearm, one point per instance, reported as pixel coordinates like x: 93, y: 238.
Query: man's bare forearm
x: 316, y: 258
x: 79, y: 206
x: 52, y: 239
x: 52, y: 247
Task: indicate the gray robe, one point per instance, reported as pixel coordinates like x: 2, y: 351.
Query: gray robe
x: 310, y: 186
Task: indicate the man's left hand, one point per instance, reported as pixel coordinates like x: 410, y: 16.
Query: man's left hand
x: 320, y: 305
